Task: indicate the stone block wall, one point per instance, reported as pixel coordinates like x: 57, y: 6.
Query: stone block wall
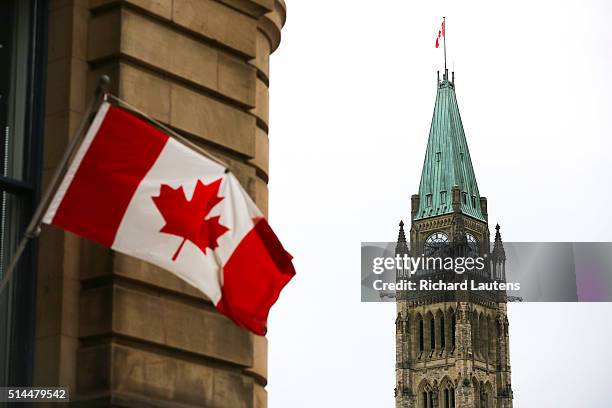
x: 114, y: 329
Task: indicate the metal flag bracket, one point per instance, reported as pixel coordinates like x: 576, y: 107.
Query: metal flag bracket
x: 33, y: 229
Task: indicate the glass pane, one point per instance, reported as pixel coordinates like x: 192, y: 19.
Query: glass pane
x: 10, y: 220
x: 11, y: 214
x: 14, y: 33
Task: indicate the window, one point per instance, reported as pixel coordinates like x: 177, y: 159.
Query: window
x: 453, y: 328
x: 428, y: 200
x: 421, y: 336
x: 475, y: 331
x: 21, y: 95
x: 484, y: 337
x: 448, y: 400
x: 472, y: 243
x: 432, y: 334
x: 464, y: 198
x: 474, y: 201
x: 442, y: 333
x: 442, y: 197
x: 426, y: 396
x: 438, y: 156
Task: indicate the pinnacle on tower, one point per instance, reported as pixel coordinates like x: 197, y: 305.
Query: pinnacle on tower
x: 498, y: 245
x: 402, y: 245
x: 498, y: 257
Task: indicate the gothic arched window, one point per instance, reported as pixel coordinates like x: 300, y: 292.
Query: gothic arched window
x: 453, y: 329
x: 442, y: 333
x: 421, y: 336
x: 432, y: 334
x: 425, y: 395
x: 492, y: 340
x: 447, y: 394
x: 475, y: 334
x: 483, y: 336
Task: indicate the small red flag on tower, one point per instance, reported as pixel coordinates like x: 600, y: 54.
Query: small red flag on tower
x: 440, y: 35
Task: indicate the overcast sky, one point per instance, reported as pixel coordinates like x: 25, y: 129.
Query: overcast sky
x: 352, y: 95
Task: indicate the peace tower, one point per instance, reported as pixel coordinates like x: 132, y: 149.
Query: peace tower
x: 451, y: 346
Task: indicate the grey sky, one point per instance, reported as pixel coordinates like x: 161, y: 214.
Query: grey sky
x: 352, y: 96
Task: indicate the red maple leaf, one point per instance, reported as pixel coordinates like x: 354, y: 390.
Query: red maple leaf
x: 187, y: 219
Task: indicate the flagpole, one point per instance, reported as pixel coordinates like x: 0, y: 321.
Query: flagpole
x: 444, y: 35
x: 33, y: 229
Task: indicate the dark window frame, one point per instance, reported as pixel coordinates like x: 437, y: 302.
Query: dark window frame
x: 21, y: 291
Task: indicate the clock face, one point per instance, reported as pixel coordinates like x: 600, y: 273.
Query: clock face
x: 472, y: 245
x: 435, y: 244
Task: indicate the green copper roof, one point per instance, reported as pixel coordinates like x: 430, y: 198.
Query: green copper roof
x: 447, y: 162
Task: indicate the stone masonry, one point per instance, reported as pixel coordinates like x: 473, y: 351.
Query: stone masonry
x: 118, y: 331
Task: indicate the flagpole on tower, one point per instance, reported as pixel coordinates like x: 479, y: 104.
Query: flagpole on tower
x: 444, y: 36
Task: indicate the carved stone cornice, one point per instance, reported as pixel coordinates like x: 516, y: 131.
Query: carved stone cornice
x: 272, y: 23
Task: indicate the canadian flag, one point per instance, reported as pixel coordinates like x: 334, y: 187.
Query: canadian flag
x: 138, y: 191
x: 440, y: 34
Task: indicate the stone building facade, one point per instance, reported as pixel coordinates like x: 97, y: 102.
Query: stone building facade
x: 118, y: 331
x: 451, y: 346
